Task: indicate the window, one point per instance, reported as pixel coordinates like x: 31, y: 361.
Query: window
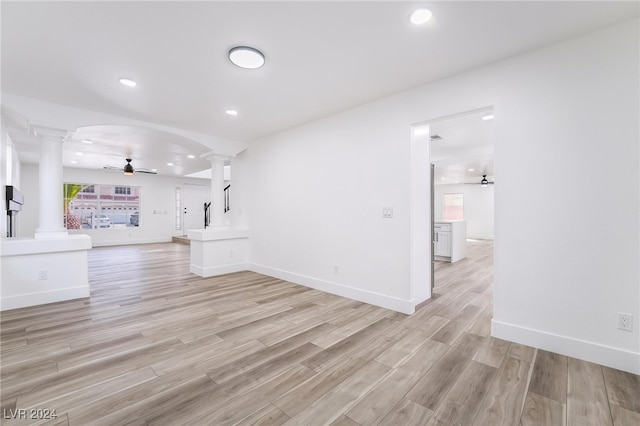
x: 88, y: 206
x: 453, y: 207
x: 178, y: 210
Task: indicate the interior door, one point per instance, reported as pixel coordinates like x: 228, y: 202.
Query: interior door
x: 193, y: 199
x: 433, y: 236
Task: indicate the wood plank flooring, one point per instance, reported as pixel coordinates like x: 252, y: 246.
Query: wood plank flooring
x: 157, y: 345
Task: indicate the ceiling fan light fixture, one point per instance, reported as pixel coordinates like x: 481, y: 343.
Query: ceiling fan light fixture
x: 246, y: 57
x: 128, y: 168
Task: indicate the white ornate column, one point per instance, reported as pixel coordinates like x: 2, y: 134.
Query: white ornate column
x: 217, y: 190
x: 51, y: 224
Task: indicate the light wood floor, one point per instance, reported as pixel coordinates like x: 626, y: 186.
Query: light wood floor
x: 157, y: 345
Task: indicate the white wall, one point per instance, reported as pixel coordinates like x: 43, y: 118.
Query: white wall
x: 566, y: 250
x: 35, y: 272
x: 157, y: 197
x: 9, y: 175
x: 317, y: 195
x: 478, y: 208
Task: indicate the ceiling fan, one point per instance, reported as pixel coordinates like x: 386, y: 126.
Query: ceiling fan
x: 128, y: 169
x: 483, y: 182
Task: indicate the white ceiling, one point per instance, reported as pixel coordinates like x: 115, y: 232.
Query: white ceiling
x: 321, y: 58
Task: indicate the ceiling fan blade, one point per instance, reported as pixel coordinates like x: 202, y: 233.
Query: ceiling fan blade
x: 132, y: 170
x: 478, y: 183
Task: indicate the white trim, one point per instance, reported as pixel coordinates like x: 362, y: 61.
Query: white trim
x: 212, y: 271
x: 617, y: 358
x: 377, y: 299
x: 217, y: 234
x: 41, y: 298
x: 28, y: 246
x: 127, y: 241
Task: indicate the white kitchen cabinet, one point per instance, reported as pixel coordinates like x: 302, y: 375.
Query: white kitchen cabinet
x: 442, y: 243
x: 450, y: 240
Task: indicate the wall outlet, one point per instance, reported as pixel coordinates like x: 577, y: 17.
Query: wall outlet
x: 387, y: 212
x: 230, y: 253
x: 43, y: 275
x: 625, y: 322
x: 336, y: 269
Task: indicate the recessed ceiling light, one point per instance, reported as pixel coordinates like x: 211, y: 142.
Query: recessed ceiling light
x: 191, y: 156
x: 127, y: 82
x: 246, y: 57
x: 420, y: 16
x: 232, y: 112
x: 87, y: 141
x: 169, y: 164
x: 73, y: 162
x: 470, y: 170
x: 488, y: 117
x: 79, y: 154
x: 154, y: 170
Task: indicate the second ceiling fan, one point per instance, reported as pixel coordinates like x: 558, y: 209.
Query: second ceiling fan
x: 129, y: 170
x: 483, y: 182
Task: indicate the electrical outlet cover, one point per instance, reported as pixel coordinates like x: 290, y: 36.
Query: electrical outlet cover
x: 625, y: 322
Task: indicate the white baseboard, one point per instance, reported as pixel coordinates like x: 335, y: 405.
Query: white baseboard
x: 388, y: 302
x: 617, y: 358
x: 41, y: 298
x: 212, y: 271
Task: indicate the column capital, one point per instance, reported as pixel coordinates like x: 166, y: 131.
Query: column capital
x: 224, y: 152
x: 49, y: 133
x: 215, y: 158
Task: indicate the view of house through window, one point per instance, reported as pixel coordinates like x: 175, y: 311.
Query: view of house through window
x: 88, y: 206
x: 453, y: 207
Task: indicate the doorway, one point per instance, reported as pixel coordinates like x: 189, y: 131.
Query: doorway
x: 193, y: 199
x: 462, y: 187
